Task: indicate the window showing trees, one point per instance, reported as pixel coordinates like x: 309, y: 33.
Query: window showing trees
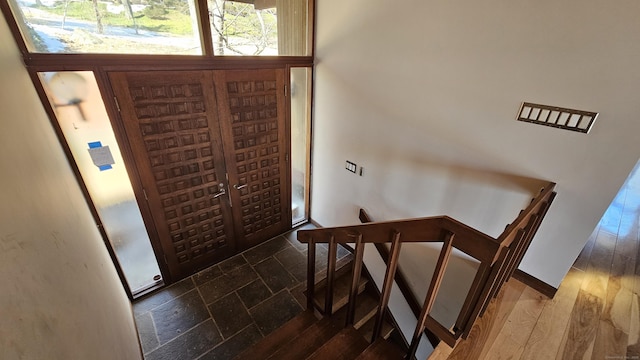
x: 260, y: 27
x: 240, y: 27
x: 117, y: 26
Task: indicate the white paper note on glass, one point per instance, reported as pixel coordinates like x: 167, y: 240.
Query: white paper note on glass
x: 101, y: 156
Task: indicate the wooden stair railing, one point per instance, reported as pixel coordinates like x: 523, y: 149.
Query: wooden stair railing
x: 498, y: 257
x: 401, y: 282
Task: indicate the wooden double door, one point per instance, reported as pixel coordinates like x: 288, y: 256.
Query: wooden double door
x: 211, y: 150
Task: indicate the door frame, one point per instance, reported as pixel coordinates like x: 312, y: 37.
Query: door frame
x: 151, y: 199
x: 116, y: 117
x: 101, y: 66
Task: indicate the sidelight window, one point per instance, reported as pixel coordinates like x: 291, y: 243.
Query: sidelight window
x: 300, y: 140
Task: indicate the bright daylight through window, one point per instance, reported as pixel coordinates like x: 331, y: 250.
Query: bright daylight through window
x: 171, y: 27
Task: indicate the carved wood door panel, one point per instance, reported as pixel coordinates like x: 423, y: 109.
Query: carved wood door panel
x: 211, y: 149
x: 171, y: 122
x: 256, y: 143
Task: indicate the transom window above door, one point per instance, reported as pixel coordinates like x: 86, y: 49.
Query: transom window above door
x: 165, y: 27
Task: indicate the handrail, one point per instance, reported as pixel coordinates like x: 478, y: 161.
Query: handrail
x: 428, y: 229
x: 499, y: 257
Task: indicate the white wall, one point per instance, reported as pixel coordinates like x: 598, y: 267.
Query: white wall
x: 424, y: 95
x: 61, y: 297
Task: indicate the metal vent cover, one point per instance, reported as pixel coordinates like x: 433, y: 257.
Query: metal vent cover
x: 558, y: 117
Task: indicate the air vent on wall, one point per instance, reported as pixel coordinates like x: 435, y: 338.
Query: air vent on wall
x: 563, y: 118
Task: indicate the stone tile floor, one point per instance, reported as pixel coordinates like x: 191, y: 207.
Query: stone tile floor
x: 226, y: 308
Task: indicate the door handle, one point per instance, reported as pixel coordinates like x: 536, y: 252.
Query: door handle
x: 219, y: 193
x: 239, y: 187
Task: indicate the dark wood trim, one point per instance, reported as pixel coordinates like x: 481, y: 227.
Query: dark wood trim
x: 119, y: 131
x: 287, y: 129
x: 206, y: 38
x: 120, y: 62
x: 308, y: 137
x: 313, y: 10
x: 535, y: 283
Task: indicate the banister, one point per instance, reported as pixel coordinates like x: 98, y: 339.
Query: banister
x: 428, y: 229
x: 544, y: 195
x: 499, y: 258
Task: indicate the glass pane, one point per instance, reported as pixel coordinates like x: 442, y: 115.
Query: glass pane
x: 300, y: 135
x: 260, y: 27
x: 114, y: 27
x: 87, y: 130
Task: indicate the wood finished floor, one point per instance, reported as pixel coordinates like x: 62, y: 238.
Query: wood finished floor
x: 595, y: 313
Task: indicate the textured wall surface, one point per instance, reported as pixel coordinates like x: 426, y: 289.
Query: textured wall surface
x: 61, y: 297
x: 424, y: 95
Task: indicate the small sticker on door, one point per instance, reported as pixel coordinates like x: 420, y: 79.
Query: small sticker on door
x: 101, y: 155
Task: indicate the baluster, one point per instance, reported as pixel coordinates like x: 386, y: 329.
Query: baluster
x: 542, y: 211
x: 331, y: 271
x: 388, y: 283
x: 355, y: 279
x: 520, y: 247
x: 311, y: 272
x: 432, y: 293
x: 482, y: 274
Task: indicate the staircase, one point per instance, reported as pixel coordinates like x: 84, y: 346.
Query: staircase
x: 316, y: 334
x: 346, y: 317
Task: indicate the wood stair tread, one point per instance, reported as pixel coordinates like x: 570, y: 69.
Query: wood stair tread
x: 343, y: 266
x: 307, y: 342
x: 381, y: 349
x: 345, y: 345
x: 366, y: 330
x: 341, y: 287
x: 272, y: 342
x: 366, y: 306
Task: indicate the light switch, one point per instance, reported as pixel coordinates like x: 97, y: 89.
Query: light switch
x: 351, y: 166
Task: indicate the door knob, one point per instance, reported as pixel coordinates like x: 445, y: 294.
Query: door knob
x: 238, y: 186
